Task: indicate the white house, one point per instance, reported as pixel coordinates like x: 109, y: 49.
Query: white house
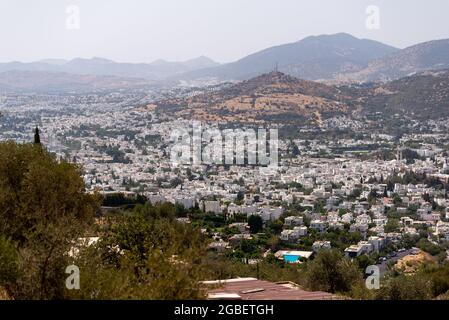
x: 185, y: 201
x: 442, y: 230
x: 274, y: 213
x: 318, y: 225
x: 293, y: 221
x: 293, y: 234
x: 318, y: 245
x: 377, y: 242
x: 363, y: 247
x: 353, y: 251
x: 212, y: 206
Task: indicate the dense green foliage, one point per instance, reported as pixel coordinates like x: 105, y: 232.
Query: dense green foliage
x: 255, y: 223
x: 330, y: 271
x: 43, y: 208
x: 45, y: 211
x: 144, y: 254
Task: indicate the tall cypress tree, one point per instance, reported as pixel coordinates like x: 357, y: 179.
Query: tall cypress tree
x: 37, y: 138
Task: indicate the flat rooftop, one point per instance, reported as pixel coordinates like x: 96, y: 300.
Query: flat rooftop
x: 254, y: 289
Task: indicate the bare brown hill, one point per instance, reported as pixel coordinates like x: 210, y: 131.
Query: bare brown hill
x: 269, y: 97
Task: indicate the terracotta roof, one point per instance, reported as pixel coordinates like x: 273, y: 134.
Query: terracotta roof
x: 254, y: 289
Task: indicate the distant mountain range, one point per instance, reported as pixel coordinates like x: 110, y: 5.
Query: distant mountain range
x: 332, y: 59
x: 313, y: 58
x: 337, y: 58
x: 157, y: 70
x: 59, y: 82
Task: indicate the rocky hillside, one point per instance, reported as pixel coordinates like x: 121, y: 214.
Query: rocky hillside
x: 432, y: 55
x: 277, y: 97
x: 270, y: 97
x: 422, y: 96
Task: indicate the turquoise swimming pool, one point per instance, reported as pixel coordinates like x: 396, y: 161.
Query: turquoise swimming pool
x: 291, y: 258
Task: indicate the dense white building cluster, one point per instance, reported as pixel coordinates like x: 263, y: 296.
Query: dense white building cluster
x: 124, y: 148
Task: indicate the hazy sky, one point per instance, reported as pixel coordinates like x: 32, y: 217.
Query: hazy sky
x: 224, y: 30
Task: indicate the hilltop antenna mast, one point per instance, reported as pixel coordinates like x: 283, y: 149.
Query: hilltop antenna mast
x: 276, y: 67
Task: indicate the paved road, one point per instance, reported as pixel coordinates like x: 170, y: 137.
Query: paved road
x: 383, y: 268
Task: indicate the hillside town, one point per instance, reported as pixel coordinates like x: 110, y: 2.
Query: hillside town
x: 374, y: 194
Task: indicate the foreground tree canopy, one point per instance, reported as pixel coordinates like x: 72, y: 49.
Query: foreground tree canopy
x: 43, y: 207
x: 44, y: 212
